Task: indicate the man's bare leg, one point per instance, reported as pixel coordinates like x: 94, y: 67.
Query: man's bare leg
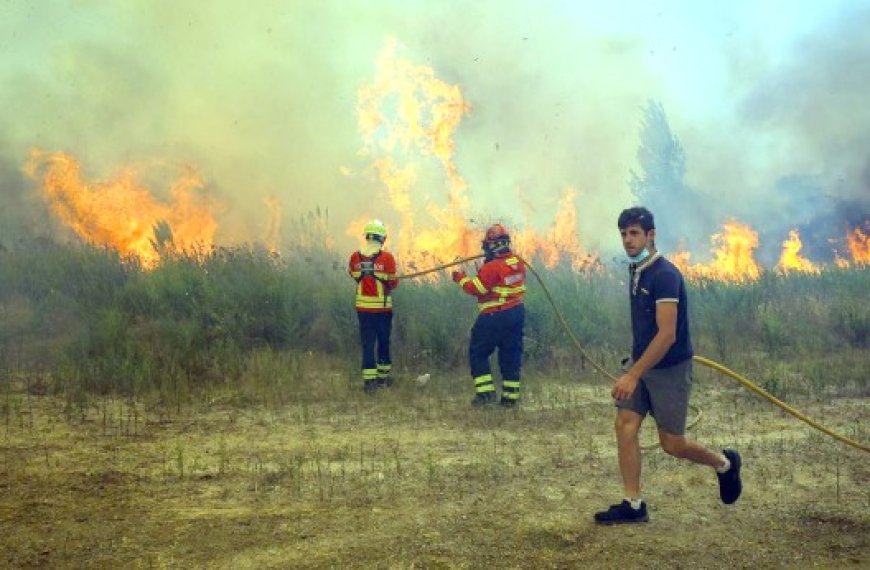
x: 683, y: 448
x: 628, y: 445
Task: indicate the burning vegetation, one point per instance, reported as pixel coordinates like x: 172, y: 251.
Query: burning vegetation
x: 407, y: 114
x: 791, y: 259
x: 858, y: 241
x: 123, y: 214
x: 407, y: 118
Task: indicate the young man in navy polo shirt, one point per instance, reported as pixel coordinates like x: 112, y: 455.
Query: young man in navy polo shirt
x: 658, y: 376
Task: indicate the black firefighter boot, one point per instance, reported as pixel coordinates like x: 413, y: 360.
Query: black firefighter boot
x: 482, y: 399
x: 385, y: 379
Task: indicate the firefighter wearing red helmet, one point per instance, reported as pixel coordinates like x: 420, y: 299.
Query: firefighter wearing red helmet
x: 374, y: 271
x: 499, y: 287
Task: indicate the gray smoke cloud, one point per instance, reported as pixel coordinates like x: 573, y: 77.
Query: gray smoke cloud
x: 261, y: 99
x: 817, y: 100
x: 797, y: 154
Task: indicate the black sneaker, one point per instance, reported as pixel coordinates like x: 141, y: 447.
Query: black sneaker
x: 730, y: 485
x: 622, y: 514
x: 385, y: 382
x: 370, y: 386
x: 483, y: 399
x: 508, y: 403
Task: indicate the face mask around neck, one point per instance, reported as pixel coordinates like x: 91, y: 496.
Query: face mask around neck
x: 639, y: 257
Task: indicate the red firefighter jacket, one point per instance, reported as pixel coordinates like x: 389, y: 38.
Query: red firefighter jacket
x: 500, y: 284
x: 376, y: 278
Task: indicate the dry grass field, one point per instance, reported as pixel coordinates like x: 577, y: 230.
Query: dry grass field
x: 327, y: 477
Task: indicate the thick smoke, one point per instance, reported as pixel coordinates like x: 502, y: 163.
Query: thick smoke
x: 261, y: 100
x: 797, y: 153
x: 683, y: 216
x: 817, y: 101
x: 21, y: 214
x: 686, y: 216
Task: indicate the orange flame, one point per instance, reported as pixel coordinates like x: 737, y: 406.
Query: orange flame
x: 406, y: 111
x: 560, y: 242
x: 733, y: 258
x: 859, y: 244
x: 122, y: 214
x: 791, y: 259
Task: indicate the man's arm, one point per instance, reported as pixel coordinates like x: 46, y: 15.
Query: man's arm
x: 352, y: 269
x: 666, y: 322
x: 388, y: 275
x: 479, y: 285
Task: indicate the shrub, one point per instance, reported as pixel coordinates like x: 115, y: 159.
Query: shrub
x: 103, y: 323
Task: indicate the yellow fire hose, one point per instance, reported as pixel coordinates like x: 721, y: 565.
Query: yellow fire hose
x: 459, y: 261
x: 751, y: 386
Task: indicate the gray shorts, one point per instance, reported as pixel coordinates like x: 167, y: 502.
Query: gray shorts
x: 663, y: 393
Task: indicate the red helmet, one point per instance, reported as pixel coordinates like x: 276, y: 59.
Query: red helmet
x: 496, y: 241
x: 496, y: 232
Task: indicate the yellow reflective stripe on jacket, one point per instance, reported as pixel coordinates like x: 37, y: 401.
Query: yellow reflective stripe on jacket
x: 490, y: 304
x: 379, y: 287
x: 512, y: 260
x: 506, y: 294
x: 363, y: 302
x: 504, y: 291
x: 373, y: 302
x: 474, y: 281
x: 497, y: 303
x: 384, y: 276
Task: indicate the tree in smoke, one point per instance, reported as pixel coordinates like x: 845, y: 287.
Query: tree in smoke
x: 681, y: 216
x: 22, y: 214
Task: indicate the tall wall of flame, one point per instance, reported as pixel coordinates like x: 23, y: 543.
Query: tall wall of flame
x: 263, y: 103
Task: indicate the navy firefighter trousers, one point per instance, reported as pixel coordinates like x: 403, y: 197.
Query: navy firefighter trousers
x: 502, y: 330
x: 374, y: 330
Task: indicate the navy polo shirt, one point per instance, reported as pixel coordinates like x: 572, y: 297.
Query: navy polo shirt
x: 657, y: 282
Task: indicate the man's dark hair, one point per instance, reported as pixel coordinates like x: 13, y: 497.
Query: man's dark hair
x: 637, y: 215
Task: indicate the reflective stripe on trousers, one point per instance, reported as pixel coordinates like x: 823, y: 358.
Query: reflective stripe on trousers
x: 502, y: 331
x: 374, y: 333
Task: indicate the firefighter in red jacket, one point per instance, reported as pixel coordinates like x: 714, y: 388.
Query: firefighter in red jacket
x: 499, y: 287
x: 374, y: 271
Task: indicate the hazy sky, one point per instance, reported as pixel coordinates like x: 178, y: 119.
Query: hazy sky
x: 261, y: 98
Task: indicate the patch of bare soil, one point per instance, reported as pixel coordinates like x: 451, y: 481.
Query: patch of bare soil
x: 413, y: 478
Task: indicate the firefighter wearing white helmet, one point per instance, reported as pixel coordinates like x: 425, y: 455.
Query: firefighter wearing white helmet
x: 374, y: 271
